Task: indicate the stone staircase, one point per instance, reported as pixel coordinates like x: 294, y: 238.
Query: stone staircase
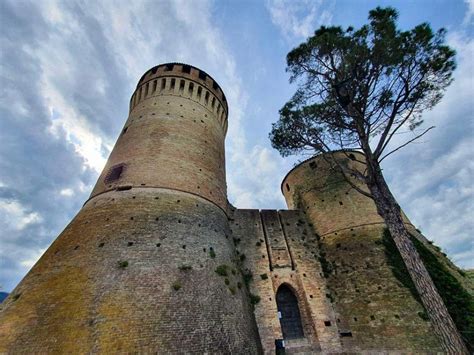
x: 301, y: 347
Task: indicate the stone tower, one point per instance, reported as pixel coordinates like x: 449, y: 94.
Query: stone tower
x: 135, y: 269
x: 374, y: 310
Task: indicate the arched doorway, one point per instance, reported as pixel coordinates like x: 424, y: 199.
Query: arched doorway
x: 290, y: 318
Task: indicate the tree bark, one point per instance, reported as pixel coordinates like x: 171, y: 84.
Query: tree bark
x: 390, y: 211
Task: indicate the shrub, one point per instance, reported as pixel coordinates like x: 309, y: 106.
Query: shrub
x: 254, y: 299
x: 122, y: 264
x: 247, y: 276
x: 221, y: 270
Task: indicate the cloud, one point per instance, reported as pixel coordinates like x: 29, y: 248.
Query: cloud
x: 469, y: 13
x: 68, y: 71
x: 298, y: 19
x: 433, y: 179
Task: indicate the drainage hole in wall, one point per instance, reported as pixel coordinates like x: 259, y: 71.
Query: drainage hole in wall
x: 101, y: 245
x: 327, y: 323
x: 130, y: 244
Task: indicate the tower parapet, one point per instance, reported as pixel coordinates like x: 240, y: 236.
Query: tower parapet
x: 185, y: 81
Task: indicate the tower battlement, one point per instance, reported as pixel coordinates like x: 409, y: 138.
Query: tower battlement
x: 182, y: 80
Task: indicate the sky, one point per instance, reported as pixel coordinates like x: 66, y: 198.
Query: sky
x: 68, y: 69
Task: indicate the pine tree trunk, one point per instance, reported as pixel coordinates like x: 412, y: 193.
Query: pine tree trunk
x: 390, y: 211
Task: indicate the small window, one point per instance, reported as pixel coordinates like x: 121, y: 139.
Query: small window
x: 173, y: 82
x: 206, y: 98
x: 140, y: 93
x: 345, y: 334
x: 163, y: 84
x: 187, y: 69
x: 213, y: 103
x: 154, y: 85
x: 168, y: 67
x: 181, y: 86
x: 190, y: 89
x: 115, y: 172
x: 199, y: 93
x: 218, y: 109
x: 327, y: 323
x: 146, y: 89
x: 202, y: 75
x: 287, y: 187
x: 214, y: 85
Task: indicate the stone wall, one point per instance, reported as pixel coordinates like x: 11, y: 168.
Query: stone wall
x: 275, y: 245
x: 134, y: 271
x: 370, y: 303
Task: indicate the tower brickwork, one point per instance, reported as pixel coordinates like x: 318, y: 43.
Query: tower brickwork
x: 369, y: 302
x: 135, y: 269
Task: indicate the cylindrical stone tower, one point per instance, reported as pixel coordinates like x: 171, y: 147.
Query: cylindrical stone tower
x: 378, y: 310
x: 135, y: 271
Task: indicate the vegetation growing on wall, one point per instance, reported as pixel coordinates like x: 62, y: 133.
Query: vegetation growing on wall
x: 459, y: 302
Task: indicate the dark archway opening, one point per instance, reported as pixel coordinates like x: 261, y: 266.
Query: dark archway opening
x: 290, y: 318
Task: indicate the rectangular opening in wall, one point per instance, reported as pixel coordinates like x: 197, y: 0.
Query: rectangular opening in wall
x: 154, y: 85
x: 146, y: 89
x: 327, y: 323
x: 168, y: 67
x: 140, y: 94
x: 287, y: 187
x: 218, y: 109
x: 206, y: 98
x: 213, y: 103
x: 190, y: 89
x: 172, y: 84
x: 345, y: 333
x: 163, y: 84
x: 202, y: 75
x: 214, y: 85
x: 199, y: 93
x: 187, y: 69
x: 181, y: 86
x: 313, y: 165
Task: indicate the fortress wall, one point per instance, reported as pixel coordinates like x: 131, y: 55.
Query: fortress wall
x: 78, y: 299
x: 265, y: 236
x: 247, y: 229
x: 171, y: 140
x: 369, y: 301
